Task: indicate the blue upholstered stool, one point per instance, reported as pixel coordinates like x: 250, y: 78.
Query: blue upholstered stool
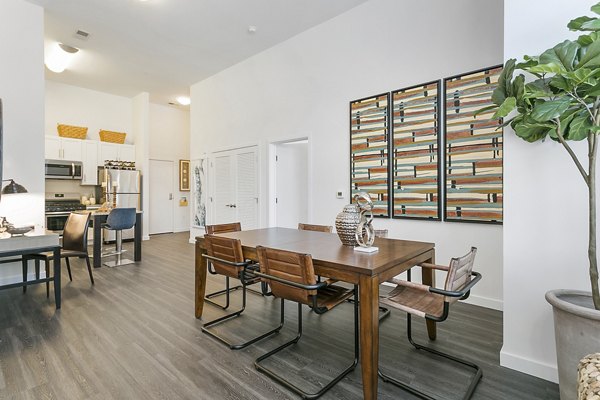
x: 118, y: 220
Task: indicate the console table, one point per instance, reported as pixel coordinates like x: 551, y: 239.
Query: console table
x: 31, y: 244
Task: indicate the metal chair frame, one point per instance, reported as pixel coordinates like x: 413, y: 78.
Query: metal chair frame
x: 462, y: 295
x: 245, y: 278
x: 227, y: 291
x: 278, y: 378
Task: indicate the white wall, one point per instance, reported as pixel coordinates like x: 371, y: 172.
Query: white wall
x: 22, y: 93
x: 170, y: 140
x: 301, y: 88
x: 545, y: 229
x: 73, y: 105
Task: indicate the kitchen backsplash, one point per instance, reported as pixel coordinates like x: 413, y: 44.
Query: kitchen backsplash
x: 67, y: 186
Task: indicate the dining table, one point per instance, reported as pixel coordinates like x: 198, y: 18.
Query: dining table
x: 336, y: 261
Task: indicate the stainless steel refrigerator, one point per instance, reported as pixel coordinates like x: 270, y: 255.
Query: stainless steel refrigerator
x: 121, y: 188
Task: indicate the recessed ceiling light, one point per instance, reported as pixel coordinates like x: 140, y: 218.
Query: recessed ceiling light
x: 252, y: 29
x: 184, y: 100
x: 59, y: 57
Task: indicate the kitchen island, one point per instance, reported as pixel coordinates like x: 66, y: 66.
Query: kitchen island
x: 99, y: 218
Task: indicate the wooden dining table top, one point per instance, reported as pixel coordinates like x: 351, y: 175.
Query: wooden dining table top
x: 327, y: 250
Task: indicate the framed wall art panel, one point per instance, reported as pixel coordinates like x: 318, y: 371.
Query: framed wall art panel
x: 369, y: 151
x: 473, y: 149
x: 416, y: 152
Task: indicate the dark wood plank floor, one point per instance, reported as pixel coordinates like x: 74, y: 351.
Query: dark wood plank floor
x: 134, y: 336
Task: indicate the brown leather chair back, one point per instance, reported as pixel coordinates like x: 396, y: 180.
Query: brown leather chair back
x: 223, y: 228
x: 295, y: 267
x: 316, y: 228
x: 75, y: 232
x: 225, y: 249
x: 459, y: 272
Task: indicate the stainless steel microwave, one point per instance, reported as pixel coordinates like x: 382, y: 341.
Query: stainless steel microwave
x: 61, y: 169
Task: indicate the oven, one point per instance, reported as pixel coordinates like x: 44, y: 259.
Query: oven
x: 57, y: 210
x: 55, y: 221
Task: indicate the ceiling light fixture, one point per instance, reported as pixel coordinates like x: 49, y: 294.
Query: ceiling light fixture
x: 184, y: 100
x: 59, y: 57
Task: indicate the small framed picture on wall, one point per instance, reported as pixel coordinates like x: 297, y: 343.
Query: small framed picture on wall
x: 184, y: 175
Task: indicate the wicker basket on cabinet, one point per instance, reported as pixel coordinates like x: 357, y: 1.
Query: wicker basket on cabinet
x: 112, y: 137
x: 71, y: 131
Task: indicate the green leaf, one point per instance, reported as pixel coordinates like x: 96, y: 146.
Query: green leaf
x: 596, y: 8
x: 527, y: 64
x: 578, y: 128
x: 484, y: 109
x: 504, y: 89
x: 548, y: 110
x: 591, y: 58
x: 586, y: 40
x: 518, y: 87
x: 562, y: 54
x: 551, y: 68
x: 591, y: 25
x: 592, y: 91
x: 577, y: 23
x: 560, y: 82
x: 507, y: 106
x: 529, y: 130
x: 581, y: 75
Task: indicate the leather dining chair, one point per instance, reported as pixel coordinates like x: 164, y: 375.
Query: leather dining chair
x: 226, y: 257
x: 433, y: 304
x: 74, y: 244
x: 216, y: 229
x: 316, y: 228
x: 291, y: 277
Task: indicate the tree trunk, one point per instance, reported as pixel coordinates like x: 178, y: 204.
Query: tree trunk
x: 592, y: 223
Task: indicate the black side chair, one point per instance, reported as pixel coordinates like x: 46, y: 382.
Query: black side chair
x: 226, y: 257
x: 291, y: 276
x: 74, y: 244
x: 118, y: 220
x: 216, y: 229
x: 433, y: 304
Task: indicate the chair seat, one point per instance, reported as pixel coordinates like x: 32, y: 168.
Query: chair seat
x: 63, y: 254
x: 415, y: 301
x: 331, y: 296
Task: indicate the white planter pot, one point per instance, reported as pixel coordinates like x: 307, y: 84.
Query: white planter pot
x: 577, y: 331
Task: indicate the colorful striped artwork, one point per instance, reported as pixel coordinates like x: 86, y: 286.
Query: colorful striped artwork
x: 416, y: 152
x: 473, y: 172
x: 369, y: 154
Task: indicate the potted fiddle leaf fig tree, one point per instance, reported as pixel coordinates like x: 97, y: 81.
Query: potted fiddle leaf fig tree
x: 558, y: 98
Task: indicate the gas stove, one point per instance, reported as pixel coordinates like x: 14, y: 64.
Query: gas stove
x: 63, y: 203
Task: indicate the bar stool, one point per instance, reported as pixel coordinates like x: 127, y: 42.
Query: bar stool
x: 118, y: 220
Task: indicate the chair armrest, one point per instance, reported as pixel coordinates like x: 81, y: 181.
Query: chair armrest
x: 434, y: 266
x: 316, y: 286
x: 219, y: 260
x: 459, y: 293
x: 330, y: 281
x: 412, y: 285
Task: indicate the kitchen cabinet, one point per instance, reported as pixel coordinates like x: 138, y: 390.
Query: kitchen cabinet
x: 115, y: 151
x: 58, y: 148
x: 90, y: 162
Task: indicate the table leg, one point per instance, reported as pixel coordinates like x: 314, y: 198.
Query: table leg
x: 369, y: 334
x: 57, y: 287
x: 137, y: 238
x: 97, y: 243
x: 428, y: 278
x: 200, y: 280
x: 24, y: 265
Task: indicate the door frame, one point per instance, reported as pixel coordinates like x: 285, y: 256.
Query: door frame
x: 172, y: 192
x: 272, y: 178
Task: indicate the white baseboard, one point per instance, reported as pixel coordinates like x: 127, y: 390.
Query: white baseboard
x: 146, y: 237
x: 541, y: 370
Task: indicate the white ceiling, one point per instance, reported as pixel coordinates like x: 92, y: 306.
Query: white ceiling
x: 164, y: 46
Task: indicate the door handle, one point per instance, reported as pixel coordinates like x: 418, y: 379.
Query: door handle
x: 170, y: 196
x: 233, y: 205
x: 73, y: 170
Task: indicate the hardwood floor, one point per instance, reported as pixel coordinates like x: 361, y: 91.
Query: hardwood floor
x: 134, y: 336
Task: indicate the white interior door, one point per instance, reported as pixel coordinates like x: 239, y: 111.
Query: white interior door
x: 246, y: 202
x: 235, y: 188
x: 291, y: 183
x: 161, y: 196
x: 224, y: 186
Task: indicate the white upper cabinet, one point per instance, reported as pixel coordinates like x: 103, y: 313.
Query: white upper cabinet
x: 115, y: 151
x: 58, y: 148
x: 126, y: 152
x: 90, y: 163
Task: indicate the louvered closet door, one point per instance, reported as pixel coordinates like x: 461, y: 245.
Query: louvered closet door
x: 246, y: 204
x: 224, y: 197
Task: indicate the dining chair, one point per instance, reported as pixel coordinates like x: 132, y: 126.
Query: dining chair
x: 291, y: 277
x: 433, y: 304
x: 74, y: 244
x: 118, y: 220
x: 316, y: 228
x: 226, y: 257
x: 216, y: 229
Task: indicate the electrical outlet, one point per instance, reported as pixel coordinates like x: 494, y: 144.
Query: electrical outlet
x: 339, y: 194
